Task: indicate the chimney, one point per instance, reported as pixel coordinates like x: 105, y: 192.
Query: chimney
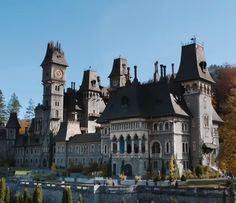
x: 135, y: 75
x: 156, y: 76
x: 161, y: 71
x: 99, y: 81
x: 164, y: 67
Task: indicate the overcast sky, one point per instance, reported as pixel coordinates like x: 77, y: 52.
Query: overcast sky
x: 93, y: 33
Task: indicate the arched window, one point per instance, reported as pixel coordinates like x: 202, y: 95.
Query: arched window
x: 136, y: 144
x: 143, y: 144
x: 155, y: 127
x: 128, y: 141
x: 122, y: 144
x: 156, y: 148
x: 166, y: 126
x: 161, y: 126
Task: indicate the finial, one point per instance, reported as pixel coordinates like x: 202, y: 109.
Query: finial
x: 135, y: 75
x: 156, y: 66
x: 173, y: 71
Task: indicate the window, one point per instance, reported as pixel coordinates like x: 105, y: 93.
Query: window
x: 167, y: 126
x: 185, y: 147
x: 155, y: 165
x: 122, y: 144
x: 206, y: 121
x: 156, y: 148
x: 128, y: 143
x: 143, y: 144
x: 167, y: 147
x: 161, y: 126
x: 155, y: 127
x: 136, y: 144
x: 105, y: 149
x: 124, y: 101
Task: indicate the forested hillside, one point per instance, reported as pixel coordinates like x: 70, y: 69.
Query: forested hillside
x: 224, y: 101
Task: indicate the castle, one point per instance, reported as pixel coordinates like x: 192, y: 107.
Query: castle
x: 137, y: 126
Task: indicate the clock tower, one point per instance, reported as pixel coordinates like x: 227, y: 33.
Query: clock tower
x: 53, y: 79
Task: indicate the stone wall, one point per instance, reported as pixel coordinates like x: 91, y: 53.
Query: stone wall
x: 130, y: 194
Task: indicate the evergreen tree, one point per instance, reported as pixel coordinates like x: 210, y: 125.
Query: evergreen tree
x: 13, y: 105
x: 26, y: 196
x: 29, y: 114
x: 8, y: 195
x: 80, y: 199
x: 3, y: 112
x: 38, y: 194
x: 67, y: 195
x: 163, y: 170
x: 2, y: 190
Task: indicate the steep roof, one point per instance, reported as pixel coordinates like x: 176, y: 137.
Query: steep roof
x: 13, y: 121
x: 148, y: 100
x: 193, y: 64
x: 86, y: 138
x: 119, y: 67
x: 67, y: 129
x: 90, y: 81
x: 54, y: 54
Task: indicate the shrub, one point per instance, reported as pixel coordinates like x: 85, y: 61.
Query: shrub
x: 67, y: 195
x: 2, y: 190
x: 38, y: 194
x: 183, y: 178
x: 80, y: 199
x: 199, y: 170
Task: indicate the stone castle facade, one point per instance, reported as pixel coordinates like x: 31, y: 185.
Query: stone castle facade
x: 138, y: 126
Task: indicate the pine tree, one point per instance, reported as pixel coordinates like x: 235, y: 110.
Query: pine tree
x: 8, y: 195
x: 26, y: 196
x: 13, y: 105
x: 38, y: 194
x: 3, y: 112
x: 67, y: 195
x: 80, y: 199
x: 2, y: 190
x: 29, y: 114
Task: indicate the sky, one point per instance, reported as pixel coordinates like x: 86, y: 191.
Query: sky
x: 94, y: 33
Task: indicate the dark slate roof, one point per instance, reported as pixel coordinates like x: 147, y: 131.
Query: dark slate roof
x: 13, y: 121
x: 86, y: 138
x: 2, y: 133
x: 67, y: 130
x: 147, y: 100
x: 55, y: 55
x: 32, y: 125
x: 193, y: 64
x: 216, y: 117
x: 117, y: 68
x: 61, y: 136
x: 90, y: 81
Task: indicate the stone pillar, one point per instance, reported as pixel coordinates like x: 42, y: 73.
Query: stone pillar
x: 132, y: 146
x: 118, y: 146
x: 125, y: 142
x: 111, y: 147
x: 146, y: 146
x: 140, y: 145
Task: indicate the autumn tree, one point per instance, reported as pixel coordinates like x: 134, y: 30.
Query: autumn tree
x: 8, y: 195
x: 67, y: 195
x: 171, y: 170
x: 2, y: 190
x: 26, y: 196
x: 80, y: 199
x: 13, y: 105
x: 38, y: 194
x: 29, y: 114
x: 228, y: 134
x: 3, y: 112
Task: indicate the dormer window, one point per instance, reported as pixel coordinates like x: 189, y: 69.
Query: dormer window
x: 203, y: 66
x: 93, y: 83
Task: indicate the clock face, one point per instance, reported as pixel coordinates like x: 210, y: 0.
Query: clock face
x: 58, y: 74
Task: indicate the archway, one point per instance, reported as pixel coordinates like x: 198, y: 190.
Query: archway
x: 128, y: 170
